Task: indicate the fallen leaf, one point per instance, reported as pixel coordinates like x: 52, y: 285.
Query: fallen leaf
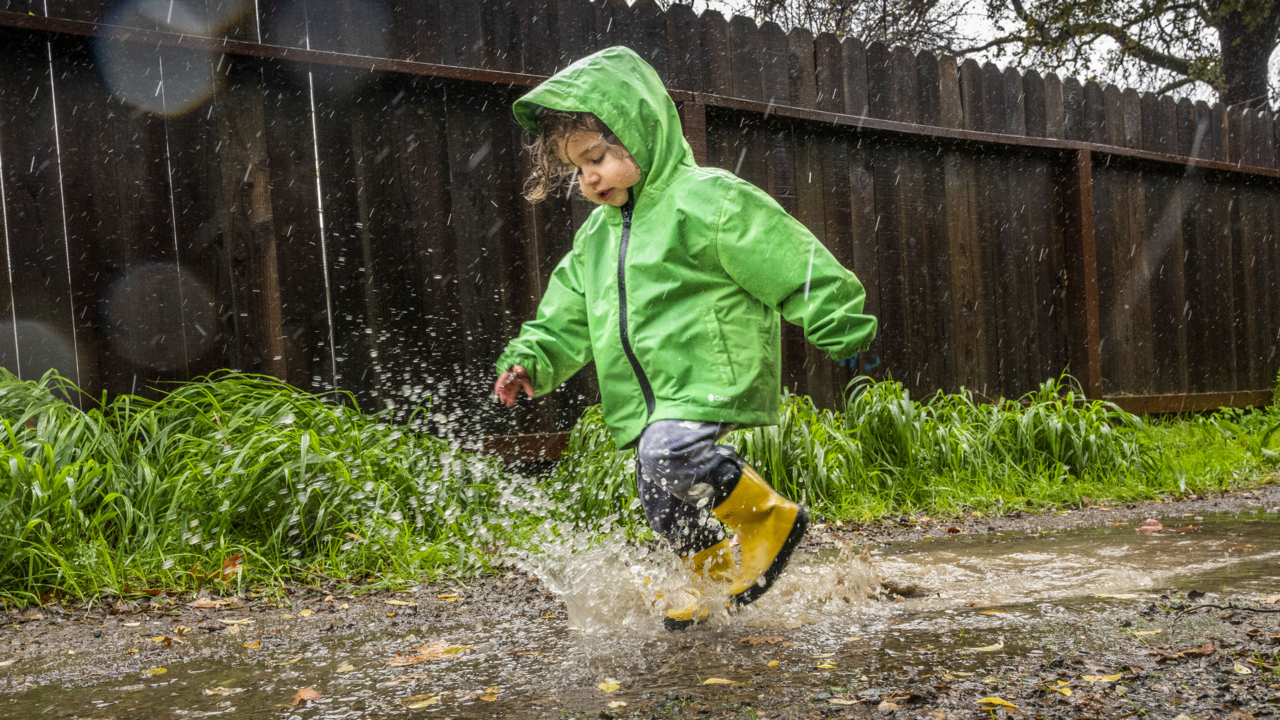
x: 770, y: 640
x: 826, y: 666
x: 1146, y: 632
x: 346, y: 668
x: 211, y: 603
x: 617, y: 704
x: 886, y: 706
x: 989, y: 648
x: 493, y: 689
x: 305, y: 613
x: 719, y: 681
x: 306, y: 695
x: 1246, y: 548
x: 609, y: 685
x: 1066, y: 691
x: 228, y: 621
x: 993, y: 612
x: 997, y: 702
x: 1241, y: 670
x: 1203, y: 651
x: 286, y: 615
x: 328, y: 598
x: 824, y: 655
x: 7, y: 663
x: 954, y: 530
x: 231, y: 566
x: 400, y: 603
x: 1150, y: 527
x: 843, y: 701
x: 131, y: 651
x: 1100, y: 678
x: 488, y: 698
x: 155, y: 671
x: 417, y: 702
x: 251, y: 644
x: 133, y: 624
x: 1118, y: 596
x: 772, y: 663
x: 222, y: 691
x: 343, y: 606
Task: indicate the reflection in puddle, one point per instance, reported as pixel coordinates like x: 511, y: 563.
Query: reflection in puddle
x: 977, y: 600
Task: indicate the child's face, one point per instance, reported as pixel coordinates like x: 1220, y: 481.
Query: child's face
x: 604, y: 174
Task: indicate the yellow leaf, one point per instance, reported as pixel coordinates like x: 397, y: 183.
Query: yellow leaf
x: 773, y: 663
x: 343, y: 606
x: 989, y: 648
x: 305, y: 613
x: 718, y: 681
x: 130, y: 651
x: 400, y: 602
x: 1241, y: 670
x: 1146, y: 632
x: 609, y: 685
x: 417, y: 702
x: 155, y: 671
x: 225, y: 621
x: 158, y: 638
x: 447, y: 596
x: 1100, y: 678
x: 488, y: 698
x: 827, y: 666
x: 251, y: 644
x: 347, y: 668
x: 494, y: 689
x: 547, y: 617
x: 617, y: 704
x: 286, y: 615
x: 993, y: 612
x: 131, y: 624
x: 1064, y: 690
x: 823, y: 655
x: 997, y: 702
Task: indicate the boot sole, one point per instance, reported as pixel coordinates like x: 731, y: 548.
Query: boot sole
x: 673, y: 625
x: 753, y: 593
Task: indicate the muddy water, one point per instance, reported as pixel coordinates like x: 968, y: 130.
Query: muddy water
x: 975, y: 604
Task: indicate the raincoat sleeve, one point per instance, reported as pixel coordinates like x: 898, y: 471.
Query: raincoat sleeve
x: 776, y: 259
x: 557, y: 343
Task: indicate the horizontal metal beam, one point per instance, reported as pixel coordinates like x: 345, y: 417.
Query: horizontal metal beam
x: 924, y: 133
x: 1190, y: 402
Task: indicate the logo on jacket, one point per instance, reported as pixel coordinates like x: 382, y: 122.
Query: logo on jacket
x: 712, y: 397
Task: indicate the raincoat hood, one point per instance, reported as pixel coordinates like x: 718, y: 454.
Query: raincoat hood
x: 620, y: 88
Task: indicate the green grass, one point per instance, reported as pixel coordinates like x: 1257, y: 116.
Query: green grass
x: 139, y: 494
x: 886, y: 454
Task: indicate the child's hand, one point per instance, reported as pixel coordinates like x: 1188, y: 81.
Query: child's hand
x: 509, y: 384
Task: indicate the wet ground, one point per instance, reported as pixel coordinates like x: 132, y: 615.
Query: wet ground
x: 1074, y: 615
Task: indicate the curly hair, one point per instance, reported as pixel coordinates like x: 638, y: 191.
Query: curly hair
x: 555, y: 127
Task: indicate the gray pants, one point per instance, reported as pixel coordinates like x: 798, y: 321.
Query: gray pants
x: 682, y: 474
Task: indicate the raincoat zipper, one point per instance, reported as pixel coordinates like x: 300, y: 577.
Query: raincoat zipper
x: 645, y: 387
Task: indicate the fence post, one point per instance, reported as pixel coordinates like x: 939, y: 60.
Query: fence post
x: 693, y: 119
x: 1085, y: 354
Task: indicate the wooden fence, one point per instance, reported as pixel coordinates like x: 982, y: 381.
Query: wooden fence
x: 328, y: 192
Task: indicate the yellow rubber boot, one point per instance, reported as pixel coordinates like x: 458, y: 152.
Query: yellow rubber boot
x: 715, y: 564
x: 769, y: 528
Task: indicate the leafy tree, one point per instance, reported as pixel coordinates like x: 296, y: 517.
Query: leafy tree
x: 1163, y: 44
x: 919, y: 24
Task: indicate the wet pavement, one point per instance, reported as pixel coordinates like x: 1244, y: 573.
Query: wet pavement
x: 1072, y: 622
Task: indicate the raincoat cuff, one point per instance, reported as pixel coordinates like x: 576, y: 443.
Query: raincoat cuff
x: 510, y: 359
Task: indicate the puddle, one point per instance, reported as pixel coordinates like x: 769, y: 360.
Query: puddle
x: 980, y: 602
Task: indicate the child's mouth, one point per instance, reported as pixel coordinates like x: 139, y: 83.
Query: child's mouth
x: 605, y: 194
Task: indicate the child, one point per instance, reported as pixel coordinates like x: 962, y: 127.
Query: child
x: 674, y: 287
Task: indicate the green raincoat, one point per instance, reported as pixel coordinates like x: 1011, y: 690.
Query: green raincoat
x: 677, y: 295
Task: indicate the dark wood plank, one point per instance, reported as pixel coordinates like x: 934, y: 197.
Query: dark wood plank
x: 829, y: 69
x: 1073, y: 109
x: 928, y: 87
x: 1166, y: 250
x: 417, y: 32
x: 686, y: 68
x: 801, y: 70
x: 46, y: 333
x: 1197, y: 265
x: 774, y: 65
x: 856, y: 100
x: 539, y: 37
x: 881, y: 92
x: 970, y: 293
x: 745, y: 41
x: 575, y: 30
x: 646, y: 33
x: 1082, y: 265
x: 717, y: 54
x: 865, y: 248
